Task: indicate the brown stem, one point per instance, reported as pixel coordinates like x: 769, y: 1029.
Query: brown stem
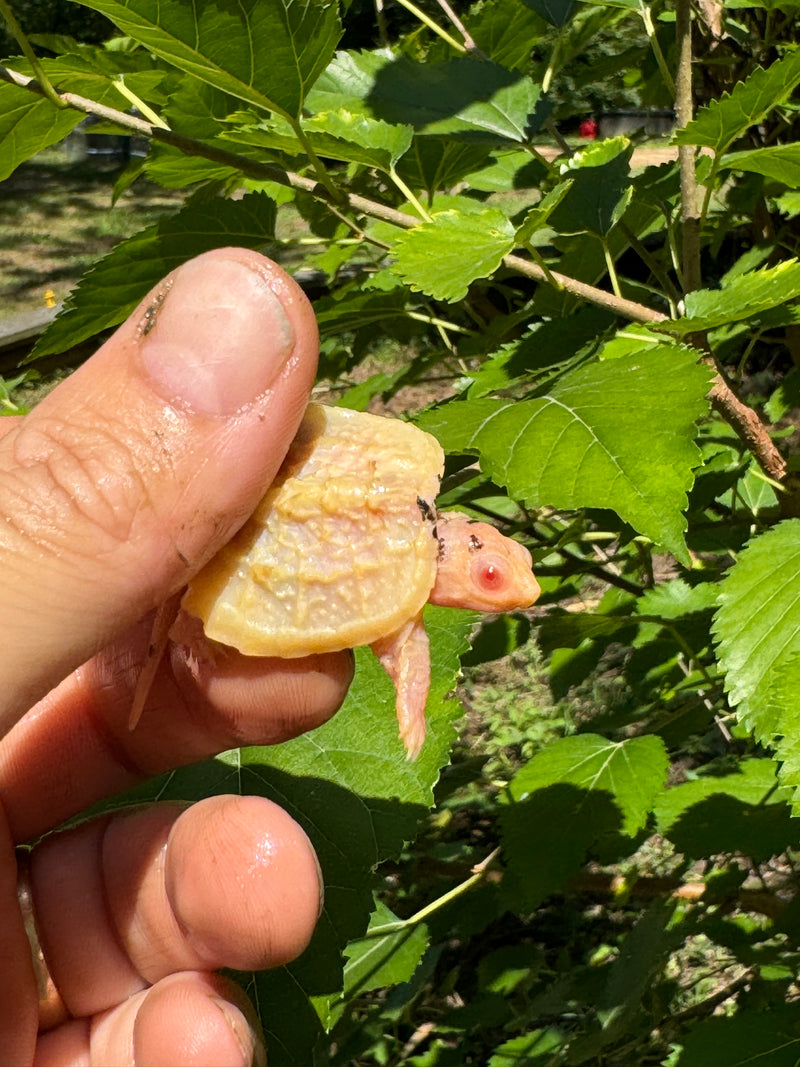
x: 749, y: 428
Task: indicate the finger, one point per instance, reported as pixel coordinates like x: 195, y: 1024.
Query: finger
x: 136, y: 469
x: 123, y: 902
x: 194, y: 710
x: 185, y: 1020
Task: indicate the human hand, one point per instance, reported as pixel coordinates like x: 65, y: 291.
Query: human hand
x: 114, y: 491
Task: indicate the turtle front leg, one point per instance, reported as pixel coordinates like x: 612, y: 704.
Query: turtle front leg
x: 405, y: 656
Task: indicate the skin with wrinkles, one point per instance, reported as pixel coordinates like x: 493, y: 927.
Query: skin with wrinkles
x: 346, y: 548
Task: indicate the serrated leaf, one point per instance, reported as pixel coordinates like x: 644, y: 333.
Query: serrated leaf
x: 580, y: 446
x: 757, y: 626
x: 266, y: 52
x: 782, y: 703
x: 112, y: 288
x: 745, y: 296
x: 385, y: 142
x: 442, y: 257
x: 463, y: 97
x: 676, y: 599
x: 379, y: 959
x: 722, y: 121
x: 779, y: 162
x: 632, y: 773
x: 586, y: 783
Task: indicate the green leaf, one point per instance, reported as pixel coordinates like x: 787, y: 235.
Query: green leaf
x: 266, y: 52
x: 599, y: 188
x: 442, y: 257
x: 743, y: 811
x: 722, y: 121
x: 29, y: 123
x: 586, y: 783
x: 379, y: 959
x: 780, y: 162
x: 676, y: 599
x: 632, y: 773
x: 463, y: 97
x: 745, y: 296
x: 344, y: 135
x: 528, y: 1049
x: 781, y: 700
x: 539, y: 215
x: 757, y: 625
x: 506, y: 31
x: 385, y: 142
x: 437, y: 163
x: 358, y: 310
x: 509, y: 169
x: 580, y: 445
x: 571, y: 629
x: 763, y: 1036
x: 112, y: 288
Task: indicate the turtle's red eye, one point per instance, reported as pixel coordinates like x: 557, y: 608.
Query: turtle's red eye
x: 489, y: 575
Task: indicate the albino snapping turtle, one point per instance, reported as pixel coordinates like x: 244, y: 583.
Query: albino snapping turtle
x: 346, y: 548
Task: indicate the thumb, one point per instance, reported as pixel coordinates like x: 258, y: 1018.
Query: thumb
x: 135, y: 470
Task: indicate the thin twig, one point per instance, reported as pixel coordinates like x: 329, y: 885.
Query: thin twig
x: 48, y: 90
x: 469, y: 43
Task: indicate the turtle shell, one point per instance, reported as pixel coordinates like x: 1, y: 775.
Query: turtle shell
x: 340, y: 551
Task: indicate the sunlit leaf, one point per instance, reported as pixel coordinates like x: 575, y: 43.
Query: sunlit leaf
x: 758, y: 623
x: 719, y: 123
x: 442, y: 257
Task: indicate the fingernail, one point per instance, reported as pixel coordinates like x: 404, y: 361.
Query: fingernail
x: 214, y: 337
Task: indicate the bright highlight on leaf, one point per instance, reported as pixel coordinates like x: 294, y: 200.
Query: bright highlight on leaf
x: 442, y: 257
x: 758, y: 629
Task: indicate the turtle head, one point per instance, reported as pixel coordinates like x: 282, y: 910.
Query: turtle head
x: 480, y: 568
